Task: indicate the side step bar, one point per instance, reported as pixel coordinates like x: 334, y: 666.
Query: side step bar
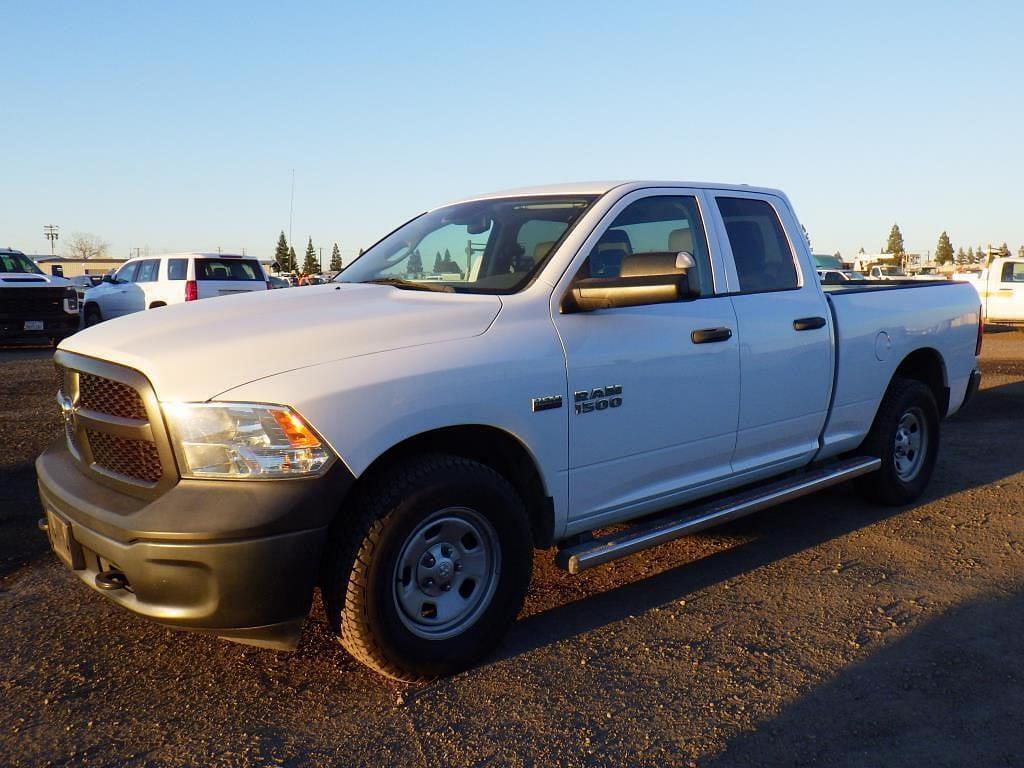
x: 677, y: 524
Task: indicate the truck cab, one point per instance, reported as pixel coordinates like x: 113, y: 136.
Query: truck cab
x: 1001, y: 288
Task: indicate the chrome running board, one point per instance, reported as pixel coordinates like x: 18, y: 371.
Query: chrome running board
x: 679, y: 523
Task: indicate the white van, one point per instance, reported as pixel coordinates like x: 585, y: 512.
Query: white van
x: 171, y: 279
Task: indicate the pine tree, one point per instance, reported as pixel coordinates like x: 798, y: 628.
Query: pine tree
x: 437, y: 263
x: 970, y: 255
x: 944, y: 250
x: 281, y: 253
x: 336, y: 264
x: 980, y: 255
x: 961, y: 257
x: 415, y: 263
x: 293, y: 262
x: 895, y: 242
x: 309, y: 265
x: 807, y: 237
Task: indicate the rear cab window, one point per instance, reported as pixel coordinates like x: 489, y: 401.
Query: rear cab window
x: 228, y: 269
x: 760, y: 249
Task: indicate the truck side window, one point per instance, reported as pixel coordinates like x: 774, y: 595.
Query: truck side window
x: 1013, y: 272
x: 760, y: 250
x: 659, y: 224
x: 126, y: 274
x: 147, y: 271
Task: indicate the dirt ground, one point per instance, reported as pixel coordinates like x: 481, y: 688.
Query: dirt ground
x: 822, y: 632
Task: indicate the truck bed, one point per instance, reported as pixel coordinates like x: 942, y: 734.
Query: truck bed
x: 877, y: 325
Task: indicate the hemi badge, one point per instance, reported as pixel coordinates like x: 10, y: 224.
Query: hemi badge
x: 545, y: 403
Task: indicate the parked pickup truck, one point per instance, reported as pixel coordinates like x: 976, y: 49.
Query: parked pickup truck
x: 34, y: 306
x: 1001, y: 288
x: 611, y: 351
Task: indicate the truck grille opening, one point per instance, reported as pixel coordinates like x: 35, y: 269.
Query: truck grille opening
x: 105, y: 396
x: 131, y: 458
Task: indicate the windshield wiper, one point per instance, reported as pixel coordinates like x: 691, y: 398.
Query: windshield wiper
x: 410, y: 285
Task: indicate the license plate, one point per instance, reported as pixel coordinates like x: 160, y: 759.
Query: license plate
x: 33, y: 325
x: 60, y: 537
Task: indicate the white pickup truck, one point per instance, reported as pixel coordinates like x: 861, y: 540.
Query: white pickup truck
x: 404, y: 443
x: 1001, y: 288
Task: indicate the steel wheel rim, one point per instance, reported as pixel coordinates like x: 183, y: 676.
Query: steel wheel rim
x: 446, y: 573
x: 910, y: 444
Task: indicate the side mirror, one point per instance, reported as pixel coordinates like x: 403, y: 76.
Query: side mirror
x: 109, y: 279
x: 644, y: 278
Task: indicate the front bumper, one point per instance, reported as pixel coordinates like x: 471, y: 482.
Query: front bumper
x: 238, y: 559
x: 54, y: 327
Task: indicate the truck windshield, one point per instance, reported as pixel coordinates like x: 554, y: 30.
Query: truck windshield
x: 483, y: 246
x: 18, y: 262
x: 893, y: 272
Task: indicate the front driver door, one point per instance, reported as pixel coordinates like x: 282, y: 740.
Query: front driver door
x: 654, y: 401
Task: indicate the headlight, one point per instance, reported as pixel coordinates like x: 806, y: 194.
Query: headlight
x: 244, y: 441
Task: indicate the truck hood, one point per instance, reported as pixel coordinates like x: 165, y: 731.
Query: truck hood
x: 31, y: 280
x: 194, y: 351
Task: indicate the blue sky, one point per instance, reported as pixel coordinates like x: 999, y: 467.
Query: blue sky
x: 177, y: 126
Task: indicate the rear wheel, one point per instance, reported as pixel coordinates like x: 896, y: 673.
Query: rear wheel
x: 905, y: 436
x: 427, y: 571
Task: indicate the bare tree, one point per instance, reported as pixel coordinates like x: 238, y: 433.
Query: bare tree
x: 83, y: 245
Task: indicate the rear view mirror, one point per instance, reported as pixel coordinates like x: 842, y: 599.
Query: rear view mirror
x: 644, y: 278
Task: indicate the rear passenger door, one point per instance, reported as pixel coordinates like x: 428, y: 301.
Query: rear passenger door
x: 785, y: 333
x: 145, y: 284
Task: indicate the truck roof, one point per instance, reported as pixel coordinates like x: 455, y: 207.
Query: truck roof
x: 601, y: 187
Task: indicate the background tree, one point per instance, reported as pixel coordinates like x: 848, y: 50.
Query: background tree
x: 980, y: 255
x: 961, y: 257
x: 1004, y: 250
x: 970, y: 255
x: 83, y: 245
x: 807, y: 237
x: 437, y: 263
x: 1020, y: 251
x: 838, y: 255
x: 310, y: 265
x: 293, y: 262
x: 944, y: 250
x: 336, y: 259
x: 416, y: 263
x: 894, y: 245
x: 281, y: 253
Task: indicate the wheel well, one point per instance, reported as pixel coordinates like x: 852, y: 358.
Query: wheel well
x: 156, y: 304
x: 92, y: 305
x: 494, y: 448
x: 926, y: 365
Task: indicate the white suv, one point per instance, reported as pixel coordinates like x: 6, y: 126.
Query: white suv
x: 171, y: 279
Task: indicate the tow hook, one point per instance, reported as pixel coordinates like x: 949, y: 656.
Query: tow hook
x: 43, y: 525
x: 111, y: 580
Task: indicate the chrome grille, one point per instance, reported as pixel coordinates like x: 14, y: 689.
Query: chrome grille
x: 131, y: 458
x: 111, y: 397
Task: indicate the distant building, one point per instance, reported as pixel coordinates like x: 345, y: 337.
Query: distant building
x: 862, y: 262
x: 60, y: 265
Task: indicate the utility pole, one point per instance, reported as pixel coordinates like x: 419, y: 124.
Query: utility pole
x: 51, y: 232
x: 321, y: 260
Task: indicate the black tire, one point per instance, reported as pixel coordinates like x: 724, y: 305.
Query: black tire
x: 363, y: 580
x: 890, y: 486
x: 92, y: 316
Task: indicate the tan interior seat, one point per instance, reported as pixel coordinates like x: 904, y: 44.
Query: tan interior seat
x: 681, y: 240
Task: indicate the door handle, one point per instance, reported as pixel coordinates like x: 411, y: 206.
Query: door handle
x: 711, y: 335
x: 808, y: 323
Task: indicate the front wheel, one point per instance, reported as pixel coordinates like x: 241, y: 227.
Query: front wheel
x: 426, y: 572
x: 905, y: 436
x: 92, y: 316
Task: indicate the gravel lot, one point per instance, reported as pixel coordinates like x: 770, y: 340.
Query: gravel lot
x: 822, y: 632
